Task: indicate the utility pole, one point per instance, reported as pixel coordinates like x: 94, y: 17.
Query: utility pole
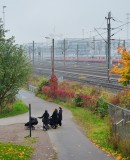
x: 4, y: 16
x: 124, y: 43
x: 33, y: 52
x: 53, y: 56
x: 77, y: 53
x: 93, y: 45
x: 127, y: 14
x: 109, y: 44
x: 64, y: 52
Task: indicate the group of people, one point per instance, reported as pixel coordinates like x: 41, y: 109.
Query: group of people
x: 54, y: 120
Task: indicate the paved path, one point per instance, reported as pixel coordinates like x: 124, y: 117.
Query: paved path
x: 68, y: 140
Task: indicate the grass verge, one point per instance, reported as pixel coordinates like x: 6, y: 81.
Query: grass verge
x: 14, y: 152
x: 18, y: 108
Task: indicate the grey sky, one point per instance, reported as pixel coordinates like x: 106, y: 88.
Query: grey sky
x: 30, y: 20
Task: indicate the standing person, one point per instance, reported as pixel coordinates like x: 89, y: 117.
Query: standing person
x: 60, y: 116
x: 45, y: 120
x: 54, y: 118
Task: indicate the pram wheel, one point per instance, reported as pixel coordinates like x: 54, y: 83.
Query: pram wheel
x: 33, y: 128
x: 54, y: 126
x: 45, y: 127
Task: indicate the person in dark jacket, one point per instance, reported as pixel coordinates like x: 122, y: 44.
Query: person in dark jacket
x: 55, y: 118
x: 33, y: 121
x: 60, y: 116
x: 45, y: 119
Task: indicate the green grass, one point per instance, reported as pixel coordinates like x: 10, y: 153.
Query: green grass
x: 10, y: 151
x: 18, y: 108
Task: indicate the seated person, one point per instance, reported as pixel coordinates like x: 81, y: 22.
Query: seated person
x: 33, y: 121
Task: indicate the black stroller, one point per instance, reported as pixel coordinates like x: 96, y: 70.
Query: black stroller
x: 52, y: 123
x: 33, y: 122
x: 47, y: 123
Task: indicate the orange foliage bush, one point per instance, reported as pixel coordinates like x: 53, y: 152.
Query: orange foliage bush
x: 122, y: 99
x: 123, y: 69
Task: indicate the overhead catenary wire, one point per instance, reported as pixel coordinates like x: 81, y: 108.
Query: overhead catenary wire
x: 101, y: 36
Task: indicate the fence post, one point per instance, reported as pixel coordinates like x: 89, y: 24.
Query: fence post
x: 123, y: 116
x: 30, y: 128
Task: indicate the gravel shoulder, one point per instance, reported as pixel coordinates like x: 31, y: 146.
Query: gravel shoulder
x: 16, y: 133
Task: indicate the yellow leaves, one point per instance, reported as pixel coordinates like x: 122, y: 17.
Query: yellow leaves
x: 119, y: 64
x: 129, y: 92
x: 125, y: 55
x: 11, y: 151
x: 123, y: 69
x: 119, y: 158
x: 114, y: 69
x: 122, y: 79
x: 119, y: 49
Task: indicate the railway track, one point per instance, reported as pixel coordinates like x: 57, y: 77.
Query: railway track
x: 88, y: 74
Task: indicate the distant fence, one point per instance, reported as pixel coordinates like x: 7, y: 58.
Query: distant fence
x: 120, y: 121
x: 31, y: 88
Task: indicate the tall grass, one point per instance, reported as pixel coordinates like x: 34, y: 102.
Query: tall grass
x: 17, y: 108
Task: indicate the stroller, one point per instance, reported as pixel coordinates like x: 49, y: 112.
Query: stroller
x: 49, y: 123
x: 45, y: 124
x: 33, y: 122
x: 52, y: 123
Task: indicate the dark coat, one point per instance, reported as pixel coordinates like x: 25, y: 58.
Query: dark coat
x: 55, y: 117
x: 60, y: 114
x: 45, y: 118
x: 33, y: 121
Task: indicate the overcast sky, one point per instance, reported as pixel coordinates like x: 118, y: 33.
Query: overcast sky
x: 30, y: 20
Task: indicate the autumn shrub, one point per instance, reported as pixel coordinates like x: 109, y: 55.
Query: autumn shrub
x: 75, y: 86
x: 34, y: 80
x: 123, y: 68
x: 114, y: 140
x: 86, y: 101
x: 125, y: 100
x: 60, y: 94
x: 43, y: 82
x: 89, y: 101
x: 64, y: 85
x: 95, y: 91
x: 121, y: 99
x: 46, y: 90
x: 102, y: 107
x: 124, y: 147
x: 115, y: 99
x: 64, y: 95
x: 53, y: 83
x: 78, y: 102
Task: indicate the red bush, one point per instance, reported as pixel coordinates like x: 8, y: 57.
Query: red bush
x: 46, y: 90
x: 53, y: 83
